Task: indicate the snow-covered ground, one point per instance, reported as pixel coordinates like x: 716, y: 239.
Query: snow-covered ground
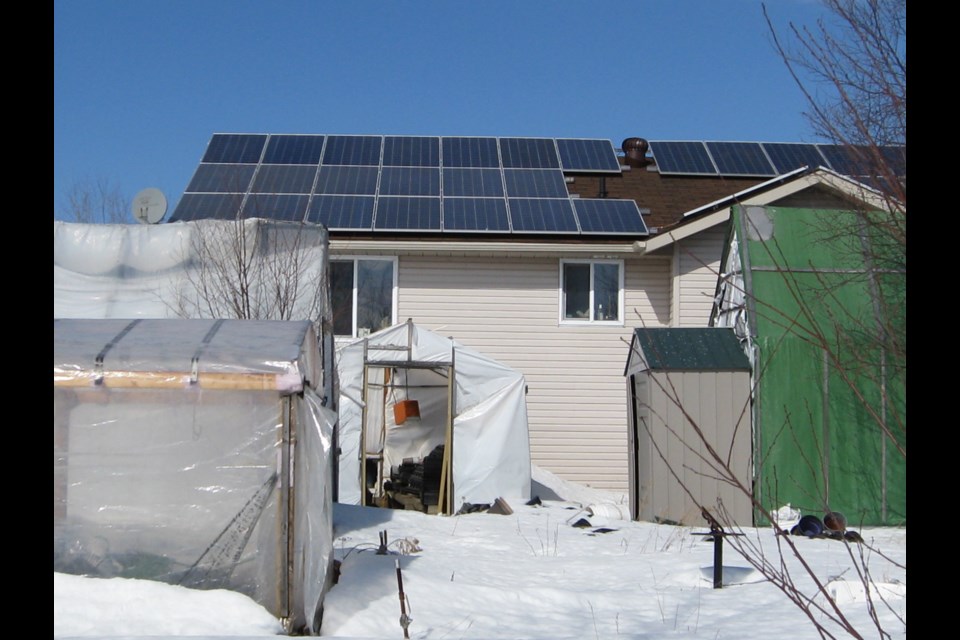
x: 531, y: 574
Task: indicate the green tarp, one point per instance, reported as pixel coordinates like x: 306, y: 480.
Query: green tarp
x: 830, y: 405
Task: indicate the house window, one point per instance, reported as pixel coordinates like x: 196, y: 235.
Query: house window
x: 363, y: 294
x: 591, y: 291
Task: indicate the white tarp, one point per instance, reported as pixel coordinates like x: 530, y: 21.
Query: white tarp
x: 154, y: 271
x: 491, y: 447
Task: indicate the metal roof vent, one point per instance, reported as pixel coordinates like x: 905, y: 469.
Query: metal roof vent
x: 635, y: 150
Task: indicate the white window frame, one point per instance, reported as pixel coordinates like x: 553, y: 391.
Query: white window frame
x: 591, y: 320
x: 355, y: 259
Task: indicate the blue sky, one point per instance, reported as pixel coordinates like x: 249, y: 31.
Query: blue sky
x: 140, y: 86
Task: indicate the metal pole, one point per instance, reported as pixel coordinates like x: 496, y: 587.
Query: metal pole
x: 404, y: 618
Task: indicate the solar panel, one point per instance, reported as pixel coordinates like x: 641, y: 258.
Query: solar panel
x: 587, y: 155
x: 278, y: 178
x: 541, y: 215
x: 347, y: 180
x: 407, y: 214
x: 472, y: 182
x: 740, y: 159
x: 535, y: 183
x: 402, y: 183
x: 470, y: 152
x: 682, y: 157
x: 349, y: 213
x: 411, y: 151
x: 787, y: 157
x: 475, y: 214
x: 200, y: 206
x: 529, y: 153
x: 276, y: 207
x: 409, y: 181
x: 896, y: 158
x: 353, y: 150
x: 294, y: 149
x: 222, y: 178
x: 234, y: 148
x: 609, y: 216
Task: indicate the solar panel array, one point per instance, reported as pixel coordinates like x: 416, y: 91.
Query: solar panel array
x: 768, y: 159
x: 408, y: 184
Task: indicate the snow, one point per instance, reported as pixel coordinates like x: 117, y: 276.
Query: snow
x: 530, y: 574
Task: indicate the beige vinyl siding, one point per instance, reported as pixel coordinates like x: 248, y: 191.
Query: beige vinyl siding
x: 697, y: 264
x: 509, y: 308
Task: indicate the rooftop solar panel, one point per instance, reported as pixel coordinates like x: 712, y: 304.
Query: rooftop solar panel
x: 200, y: 206
x: 848, y: 160
x: 222, y: 178
x: 740, y: 159
x: 609, y: 216
x: 407, y: 214
x: 541, y: 215
x: 235, y: 147
x: 347, y: 180
x: 279, y: 178
x: 411, y: 151
x: 470, y: 152
x: 409, y: 181
x: 398, y: 183
x: 587, y: 155
x: 896, y: 158
x: 353, y: 150
x: 348, y: 213
x: 276, y: 207
x: 294, y: 149
x: 529, y: 153
x: 787, y: 157
x: 472, y: 182
x: 864, y: 161
x: 682, y: 157
x: 535, y: 183
x: 475, y: 214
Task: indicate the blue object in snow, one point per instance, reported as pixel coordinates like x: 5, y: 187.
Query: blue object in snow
x: 809, y: 526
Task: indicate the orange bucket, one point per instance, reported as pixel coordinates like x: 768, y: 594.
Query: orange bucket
x: 405, y: 409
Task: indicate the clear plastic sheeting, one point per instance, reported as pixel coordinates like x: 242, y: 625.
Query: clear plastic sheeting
x: 487, y: 403
x: 177, y: 353
x: 219, y: 482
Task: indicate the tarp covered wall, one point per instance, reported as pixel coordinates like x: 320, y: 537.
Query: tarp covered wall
x: 194, y: 452
x: 830, y: 398
x: 491, y: 448
x: 182, y: 269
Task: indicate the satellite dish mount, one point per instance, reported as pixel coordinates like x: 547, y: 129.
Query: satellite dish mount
x: 149, y: 206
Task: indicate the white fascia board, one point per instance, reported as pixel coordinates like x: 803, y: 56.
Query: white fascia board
x: 685, y: 231
x: 443, y: 247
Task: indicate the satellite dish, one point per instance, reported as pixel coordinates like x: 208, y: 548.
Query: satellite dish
x: 149, y: 206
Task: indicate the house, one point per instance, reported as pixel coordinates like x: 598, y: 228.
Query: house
x: 544, y: 254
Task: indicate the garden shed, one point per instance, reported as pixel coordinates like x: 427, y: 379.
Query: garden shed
x: 197, y: 453
x: 688, y: 393
x: 429, y: 423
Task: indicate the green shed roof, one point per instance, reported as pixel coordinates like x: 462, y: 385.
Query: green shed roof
x: 690, y: 349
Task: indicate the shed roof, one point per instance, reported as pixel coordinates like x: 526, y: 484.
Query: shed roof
x: 686, y: 349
